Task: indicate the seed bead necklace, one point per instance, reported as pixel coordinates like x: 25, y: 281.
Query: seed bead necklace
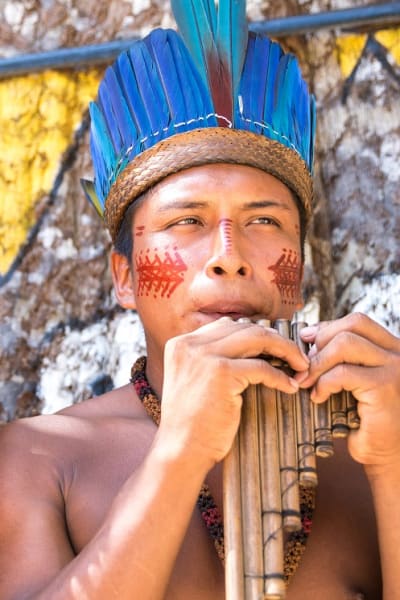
x: 209, y: 511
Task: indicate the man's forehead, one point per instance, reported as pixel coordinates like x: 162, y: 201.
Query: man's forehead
x: 189, y: 183
x: 189, y: 191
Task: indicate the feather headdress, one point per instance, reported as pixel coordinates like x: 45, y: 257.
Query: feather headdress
x: 212, y: 93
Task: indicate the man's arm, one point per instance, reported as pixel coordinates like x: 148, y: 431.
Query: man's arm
x: 385, y: 486
x: 133, y: 553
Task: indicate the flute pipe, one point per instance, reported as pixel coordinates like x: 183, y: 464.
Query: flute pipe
x: 253, y: 563
x: 288, y: 464
x: 340, y: 428
x: 321, y: 413
x: 288, y: 449
x: 353, y: 418
x: 233, y: 536
x: 307, y: 464
x: 323, y: 429
x: 273, y: 543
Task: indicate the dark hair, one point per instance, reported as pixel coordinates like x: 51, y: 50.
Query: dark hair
x: 124, y: 241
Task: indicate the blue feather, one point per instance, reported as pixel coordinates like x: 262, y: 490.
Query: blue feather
x: 243, y: 109
x: 253, y: 85
x: 151, y: 90
x: 106, y: 108
x: 259, y: 81
x: 274, y: 57
x: 104, y: 156
x: 211, y: 13
x: 129, y: 85
x: 168, y: 75
x: 122, y: 119
x: 197, y: 23
x: 90, y: 193
x: 292, y: 93
x: 204, y: 96
x: 195, y: 95
x: 280, y: 116
x: 232, y: 35
x: 101, y: 180
x: 302, y: 123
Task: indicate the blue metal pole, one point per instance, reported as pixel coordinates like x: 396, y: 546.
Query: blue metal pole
x: 381, y: 14
x: 63, y: 58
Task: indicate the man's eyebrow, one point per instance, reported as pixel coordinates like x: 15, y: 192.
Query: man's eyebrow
x: 182, y: 204
x: 256, y: 204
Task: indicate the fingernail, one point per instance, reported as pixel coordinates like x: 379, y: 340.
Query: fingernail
x: 301, y: 377
x: 309, y: 332
x: 294, y: 383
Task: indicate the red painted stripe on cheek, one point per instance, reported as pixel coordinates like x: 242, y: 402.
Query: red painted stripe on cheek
x: 287, y: 276
x: 159, y: 272
x: 139, y: 230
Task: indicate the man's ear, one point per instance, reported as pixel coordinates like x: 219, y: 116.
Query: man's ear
x: 123, y: 280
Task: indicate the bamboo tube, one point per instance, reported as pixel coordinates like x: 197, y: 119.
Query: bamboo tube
x: 251, y: 497
x: 274, y: 585
x: 353, y: 419
x: 288, y: 451
x: 307, y: 463
x: 323, y: 429
x: 233, y: 536
x: 340, y: 428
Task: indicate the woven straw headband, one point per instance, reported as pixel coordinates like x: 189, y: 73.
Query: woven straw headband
x: 200, y: 147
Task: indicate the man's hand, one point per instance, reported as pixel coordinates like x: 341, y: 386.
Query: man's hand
x: 206, y: 372
x: 356, y: 354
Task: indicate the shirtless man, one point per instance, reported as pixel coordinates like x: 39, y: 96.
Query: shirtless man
x: 98, y: 503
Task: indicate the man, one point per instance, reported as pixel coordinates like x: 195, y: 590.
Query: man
x: 97, y: 502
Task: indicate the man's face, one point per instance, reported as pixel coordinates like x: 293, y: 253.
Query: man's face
x: 212, y: 241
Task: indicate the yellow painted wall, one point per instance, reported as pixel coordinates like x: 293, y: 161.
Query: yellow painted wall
x: 349, y: 48
x: 38, y: 116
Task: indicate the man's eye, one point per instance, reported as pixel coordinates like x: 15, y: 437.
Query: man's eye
x: 266, y: 221
x: 187, y: 221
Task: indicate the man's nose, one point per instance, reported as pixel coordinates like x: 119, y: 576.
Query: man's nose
x: 227, y: 257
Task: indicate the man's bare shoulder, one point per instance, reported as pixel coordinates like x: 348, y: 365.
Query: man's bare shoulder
x: 56, y: 440
x: 122, y: 402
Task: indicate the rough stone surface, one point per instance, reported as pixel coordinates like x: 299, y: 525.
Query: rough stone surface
x: 62, y: 335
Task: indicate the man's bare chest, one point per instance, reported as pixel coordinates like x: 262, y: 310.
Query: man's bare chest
x: 340, y: 561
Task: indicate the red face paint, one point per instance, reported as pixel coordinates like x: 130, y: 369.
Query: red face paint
x: 287, y: 272
x: 159, y: 274
x: 226, y: 233
x: 139, y: 230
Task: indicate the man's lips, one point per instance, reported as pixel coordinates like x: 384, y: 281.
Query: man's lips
x: 233, y: 310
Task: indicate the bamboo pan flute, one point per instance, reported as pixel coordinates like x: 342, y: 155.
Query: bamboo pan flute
x: 274, y: 453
